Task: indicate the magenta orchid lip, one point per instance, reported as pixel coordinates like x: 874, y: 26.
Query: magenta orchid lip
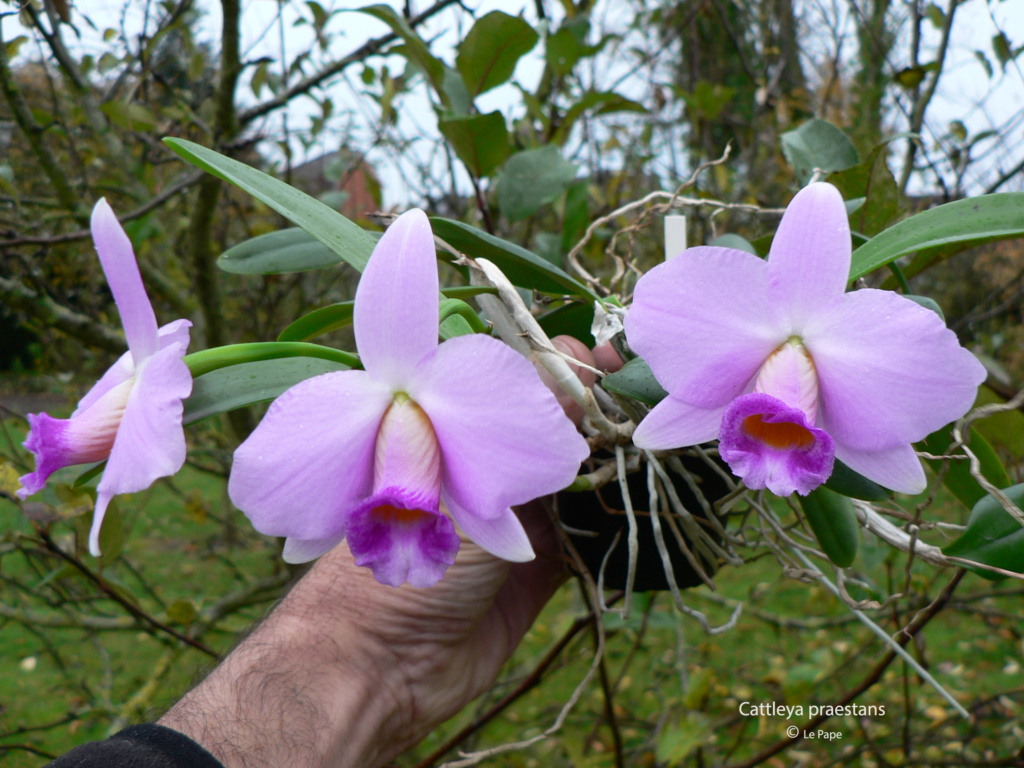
x: 132, y: 417
x: 427, y: 435
x: 866, y: 374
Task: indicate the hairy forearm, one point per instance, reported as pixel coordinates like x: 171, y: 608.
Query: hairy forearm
x: 302, y: 690
x: 350, y: 672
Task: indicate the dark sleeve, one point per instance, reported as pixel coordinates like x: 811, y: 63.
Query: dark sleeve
x: 139, y: 746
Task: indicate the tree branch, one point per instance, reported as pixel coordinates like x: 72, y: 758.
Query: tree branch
x: 49, y: 312
x: 922, y: 102
x: 307, y: 84
x: 33, y: 132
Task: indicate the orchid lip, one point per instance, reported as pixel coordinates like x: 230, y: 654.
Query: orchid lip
x: 402, y: 537
x: 770, y: 444
x: 392, y: 515
x: 782, y: 435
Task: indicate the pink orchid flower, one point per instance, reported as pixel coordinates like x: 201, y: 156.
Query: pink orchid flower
x: 132, y: 415
x: 376, y: 457
x: 788, y: 370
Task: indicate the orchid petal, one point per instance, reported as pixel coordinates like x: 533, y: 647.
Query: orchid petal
x: 890, y: 372
x: 311, y: 458
x: 898, y: 468
x: 172, y: 333
x: 401, y: 541
x: 298, y: 551
x: 675, y: 424
x: 175, y: 332
x: 504, y: 439
x: 503, y: 536
x: 117, y: 374
x: 122, y: 271
x: 150, y: 440
x: 100, y: 512
x: 703, y: 322
x: 809, y: 261
x: 396, y: 305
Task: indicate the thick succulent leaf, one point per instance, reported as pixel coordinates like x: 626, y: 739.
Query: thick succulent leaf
x: 993, y: 536
x: 350, y: 241
x: 732, y: 240
x: 635, y: 380
x: 834, y: 523
x: 335, y: 316
x: 846, y: 482
x: 957, y: 478
x: 522, y: 267
x: 247, y: 383
x: 275, y: 253
x: 947, y: 228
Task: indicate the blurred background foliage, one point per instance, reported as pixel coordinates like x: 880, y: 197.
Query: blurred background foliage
x: 530, y: 123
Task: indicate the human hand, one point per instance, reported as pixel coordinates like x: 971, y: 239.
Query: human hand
x: 350, y: 672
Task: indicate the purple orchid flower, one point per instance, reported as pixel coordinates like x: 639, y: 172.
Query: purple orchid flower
x: 132, y: 415
x: 787, y: 370
x: 377, y: 456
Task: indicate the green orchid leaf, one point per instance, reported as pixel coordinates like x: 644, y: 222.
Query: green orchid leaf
x: 531, y: 179
x: 927, y: 303
x: 237, y: 386
x: 89, y: 474
x: 635, y: 380
x: 488, y: 56
x: 817, y: 145
x: 1004, y: 430
x: 993, y: 536
x: 319, y: 322
x: 275, y: 253
x: 451, y: 309
x: 522, y: 267
x: 335, y: 316
x: 957, y: 478
x: 207, y: 360
x: 947, y: 229
x: 846, y: 482
x: 350, y: 241
x: 480, y: 141
x: 454, y: 325
x: 834, y: 523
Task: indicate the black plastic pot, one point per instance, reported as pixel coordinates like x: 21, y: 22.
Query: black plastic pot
x: 602, y: 513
